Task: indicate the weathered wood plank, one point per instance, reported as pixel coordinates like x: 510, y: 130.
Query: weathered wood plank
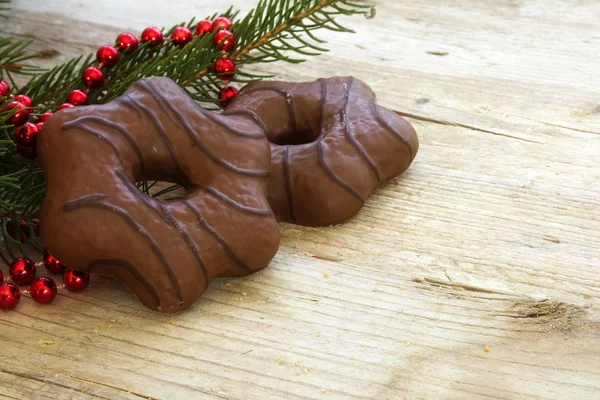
x: 490, y: 239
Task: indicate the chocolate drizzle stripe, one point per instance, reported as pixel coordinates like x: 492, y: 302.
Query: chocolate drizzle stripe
x: 162, y: 211
x: 124, y: 99
x: 98, y: 135
x: 217, y: 237
x: 388, y: 127
x: 288, y: 181
x: 288, y: 98
x: 92, y: 201
x: 126, y: 265
x: 76, y: 123
x: 235, y: 204
x: 137, y: 105
x: 225, y: 125
x: 252, y: 114
x: 347, y: 131
x: 150, y: 88
x: 320, y: 157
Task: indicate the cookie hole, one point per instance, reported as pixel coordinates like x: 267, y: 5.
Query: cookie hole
x: 293, y: 138
x: 162, y: 190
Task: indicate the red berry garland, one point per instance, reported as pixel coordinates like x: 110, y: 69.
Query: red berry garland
x: 221, y: 23
x: 9, y: 296
x: 46, y: 115
x: 153, y: 36
x: 25, y: 100
x: 53, y: 265
x: 76, y: 97
x: 127, y: 42
x: 75, y: 280
x: 26, y: 135
x: 181, y: 36
x: 22, y: 114
x: 227, y: 94
x: 204, y: 27
x: 43, y: 290
x: 224, y: 40
x: 93, y: 78
x: 225, y: 69
x: 108, y: 56
x: 22, y: 271
x: 4, y: 89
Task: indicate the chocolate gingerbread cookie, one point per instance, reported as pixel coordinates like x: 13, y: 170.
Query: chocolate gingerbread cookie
x: 331, y: 146
x: 94, y: 217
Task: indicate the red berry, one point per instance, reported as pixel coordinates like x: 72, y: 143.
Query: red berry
x: 153, y: 35
x: 9, y: 296
x: 22, y: 114
x: 225, y: 68
x: 39, y: 126
x: 227, y: 94
x: 75, y: 280
x: 26, y: 135
x: 78, y: 97
x: 44, y: 117
x: 43, y: 290
x: 93, y: 78
x: 127, y: 42
x: 4, y: 89
x: 53, y: 265
x: 220, y: 23
x: 64, y: 105
x: 25, y: 100
x: 224, y: 40
x: 181, y: 36
x: 204, y: 27
x: 108, y: 56
x: 12, y: 230
x: 22, y: 271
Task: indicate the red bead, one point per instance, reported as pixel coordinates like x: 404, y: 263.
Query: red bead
x: 181, y: 36
x: 39, y: 126
x: 204, y: 27
x: 11, y: 229
x: 44, y: 117
x: 27, y: 152
x: 4, y: 89
x: 227, y: 94
x: 78, y: 97
x: 153, y: 35
x: 22, y: 271
x: 43, y: 290
x: 53, y: 265
x: 64, y: 105
x: 127, y: 42
x: 25, y: 100
x: 22, y: 114
x: 224, y: 40
x: 108, y: 56
x: 220, y: 23
x: 225, y: 68
x: 75, y: 280
x: 26, y: 135
x: 9, y: 296
x: 93, y: 78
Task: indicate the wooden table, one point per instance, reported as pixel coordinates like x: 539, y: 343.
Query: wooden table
x: 474, y: 275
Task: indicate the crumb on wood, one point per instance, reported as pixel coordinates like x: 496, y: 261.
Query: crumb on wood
x: 407, y: 344
x: 370, y: 383
x: 486, y: 349
x: 298, y: 373
x: 326, y: 274
x: 281, y: 361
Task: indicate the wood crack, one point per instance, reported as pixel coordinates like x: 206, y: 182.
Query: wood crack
x: 473, y: 128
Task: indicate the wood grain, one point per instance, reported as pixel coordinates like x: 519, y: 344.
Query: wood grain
x: 490, y: 240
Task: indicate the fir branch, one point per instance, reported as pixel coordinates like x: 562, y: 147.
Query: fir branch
x: 275, y: 30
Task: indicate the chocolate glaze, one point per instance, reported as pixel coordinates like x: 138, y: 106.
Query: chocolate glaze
x: 331, y: 146
x: 95, y: 218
